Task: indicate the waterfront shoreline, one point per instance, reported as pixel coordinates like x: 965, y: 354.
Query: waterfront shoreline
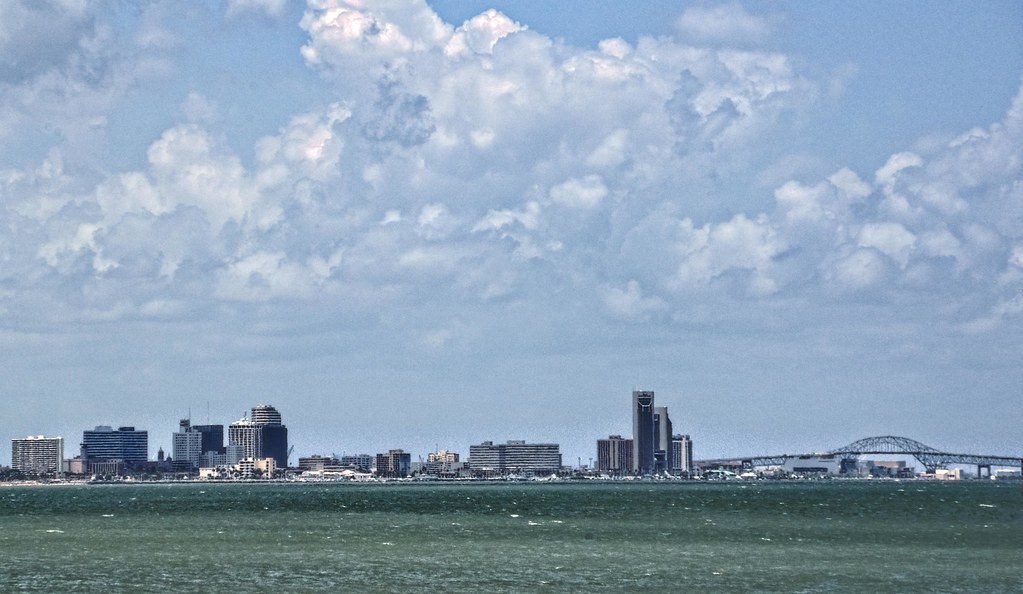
x: 492, y: 481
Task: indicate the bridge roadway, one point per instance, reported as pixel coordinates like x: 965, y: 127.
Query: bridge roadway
x: 931, y: 458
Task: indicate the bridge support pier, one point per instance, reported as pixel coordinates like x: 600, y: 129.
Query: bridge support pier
x: 980, y: 470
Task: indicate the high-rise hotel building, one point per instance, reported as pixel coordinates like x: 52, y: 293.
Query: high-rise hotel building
x: 247, y: 435
x: 262, y: 435
x: 643, y: 436
x: 38, y: 455
x: 614, y: 455
x: 682, y: 454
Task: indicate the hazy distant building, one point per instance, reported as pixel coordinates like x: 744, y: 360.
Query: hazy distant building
x: 213, y: 460
x: 394, y: 464
x: 256, y: 467
x: 317, y: 463
x: 125, y: 443
x: 515, y: 457
x: 247, y: 435
x: 275, y: 444
x: 263, y: 435
x: 442, y: 463
x: 76, y: 465
x: 813, y: 464
x: 274, y: 434
x: 38, y: 455
x: 212, y: 437
x: 264, y: 414
x: 662, y: 440
x: 186, y: 447
x: 442, y: 456
x: 363, y: 462
x: 681, y: 454
x: 614, y: 455
x: 234, y: 454
x: 643, y: 438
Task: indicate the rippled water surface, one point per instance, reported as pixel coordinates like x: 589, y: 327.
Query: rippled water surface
x: 659, y: 537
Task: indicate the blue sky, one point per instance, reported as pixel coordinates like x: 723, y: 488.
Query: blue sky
x: 417, y: 225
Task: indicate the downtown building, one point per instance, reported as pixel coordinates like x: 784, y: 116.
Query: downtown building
x: 362, y: 462
x: 682, y: 454
x: 662, y: 440
x: 443, y: 463
x: 212, y: 437
x: 107, y: 445
x: 38, y: 455
x: 514, y: 457
x: 186, y: 447
x: 262, y: 435
x: 643, y: 436
x: 652, y: 448
x: 393, y: 464
x: 194, y: 446
x: 614, y: 455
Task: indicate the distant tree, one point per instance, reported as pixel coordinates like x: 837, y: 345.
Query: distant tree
x: 11, y: 474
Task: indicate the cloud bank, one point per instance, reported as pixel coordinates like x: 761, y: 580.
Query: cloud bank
x: 478, y: 177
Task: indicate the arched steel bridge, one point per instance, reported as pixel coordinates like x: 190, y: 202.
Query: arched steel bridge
x: 929, y: 457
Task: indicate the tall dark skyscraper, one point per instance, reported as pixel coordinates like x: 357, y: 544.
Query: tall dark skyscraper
x: 643, y: 432
x: 212, y: 437
x: 663, y: 451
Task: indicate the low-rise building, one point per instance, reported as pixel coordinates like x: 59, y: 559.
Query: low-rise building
x: 813, y: 464
x: 394, y: 464
x: 363, y: 462
x: 257, y: 467
x: 444, y: 464
x: 948, y: 474
x: 246, y: 468
x: 514, y: 457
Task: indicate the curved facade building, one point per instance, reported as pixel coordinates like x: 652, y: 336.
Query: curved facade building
x: 263, y: 435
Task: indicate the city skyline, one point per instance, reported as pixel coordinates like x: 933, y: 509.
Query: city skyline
x: 654, y: 449
x: 413, y: 224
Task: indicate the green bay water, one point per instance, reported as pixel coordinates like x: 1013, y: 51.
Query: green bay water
x: 833, y: 536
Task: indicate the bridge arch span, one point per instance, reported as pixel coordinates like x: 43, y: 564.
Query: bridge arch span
x: 886, y: 444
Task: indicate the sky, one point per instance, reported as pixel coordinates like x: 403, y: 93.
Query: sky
x: 425, y: 225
